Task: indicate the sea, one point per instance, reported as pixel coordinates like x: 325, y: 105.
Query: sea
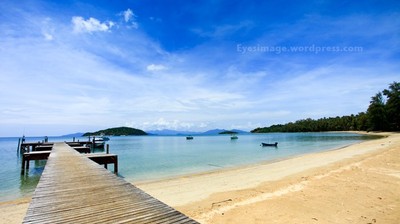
x: 146, y: 158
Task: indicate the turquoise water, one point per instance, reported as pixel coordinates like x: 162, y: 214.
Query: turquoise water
x: 154, y: 157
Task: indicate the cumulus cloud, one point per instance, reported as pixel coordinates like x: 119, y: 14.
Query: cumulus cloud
x: 154, y: 67
x: 82, y: 25
x: 128, y: 14
x: 90, y: 25
x: 129, y: 17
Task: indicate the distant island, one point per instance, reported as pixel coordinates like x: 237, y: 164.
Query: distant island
x: 117, y: 132
x: 228, y: 133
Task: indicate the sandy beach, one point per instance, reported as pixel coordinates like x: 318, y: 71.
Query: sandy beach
x: 355, y: 184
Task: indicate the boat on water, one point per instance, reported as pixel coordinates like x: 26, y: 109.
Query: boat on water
x: 105, y: 138
x: 189, y: 137
x: 99, y: 142
x: 269, y: 144
x: 233, y: 137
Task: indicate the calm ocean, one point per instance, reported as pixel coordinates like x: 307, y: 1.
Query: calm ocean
x: 155, y: 157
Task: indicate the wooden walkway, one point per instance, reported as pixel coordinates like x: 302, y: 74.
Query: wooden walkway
x: 74, y: 189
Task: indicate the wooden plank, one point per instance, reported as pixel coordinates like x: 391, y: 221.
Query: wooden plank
x: 74, y: 189
x: 82, y: 149
x: 72, y: 144
x: 43, y: 147
x: 31, y: 146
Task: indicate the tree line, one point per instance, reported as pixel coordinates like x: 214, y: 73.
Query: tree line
x: 383, y: 114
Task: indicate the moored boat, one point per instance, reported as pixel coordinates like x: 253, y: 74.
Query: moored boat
x: 105, y: 138
x: 269, y: 144
x: 189, y: 137
x: 99, y: 142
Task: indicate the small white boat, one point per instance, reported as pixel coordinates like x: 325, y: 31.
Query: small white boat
x: 99, y: 142
x: 105, y: 138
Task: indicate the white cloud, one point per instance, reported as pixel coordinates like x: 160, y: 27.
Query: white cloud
x: 154, y: 67
x: 48, y: 36
x: 128, y: 14
x: 129, y: 17
x: 47, y: 29
x: 108, y: 81
x: 90, y: 25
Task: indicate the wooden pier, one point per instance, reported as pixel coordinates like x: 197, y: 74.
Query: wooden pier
x: 74, y: 189
x: 40, y: 146
x: 42, y: 152
x: 82, y: 149
x: 105, y: 159
x: 28, y: 156
x: 31, y: 146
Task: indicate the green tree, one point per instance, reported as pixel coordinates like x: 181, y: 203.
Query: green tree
x: 362, y: 121
x: 376, y: 113
x: 380, y: 116
x: 393, y: 105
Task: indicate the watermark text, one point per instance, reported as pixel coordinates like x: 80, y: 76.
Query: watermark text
x: 241, y: 48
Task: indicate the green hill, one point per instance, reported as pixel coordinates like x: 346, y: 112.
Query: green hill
x: 117, y: 132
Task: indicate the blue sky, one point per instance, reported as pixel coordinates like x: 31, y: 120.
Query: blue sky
x: 76, y: 66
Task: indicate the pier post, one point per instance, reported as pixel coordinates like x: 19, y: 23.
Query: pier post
x: 23, y: 165
x: 93, y: 145
x: 116, y: 166
x: 107, y: 152
x: 19, y: 145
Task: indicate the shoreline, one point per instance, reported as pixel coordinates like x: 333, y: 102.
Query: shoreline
x: 251, y: 170
x: 246, y: 194
x: 215, y: 196
x: 243, y: 166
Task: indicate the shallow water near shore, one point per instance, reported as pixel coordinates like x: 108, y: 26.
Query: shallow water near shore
x: 144, y: 158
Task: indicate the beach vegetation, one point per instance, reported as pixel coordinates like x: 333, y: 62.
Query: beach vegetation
x: 383, y: 114
x: 377, y: 119
x: 393, y: 106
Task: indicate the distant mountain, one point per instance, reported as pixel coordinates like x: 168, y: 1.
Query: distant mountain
x: 78, y: 134
x: 117, y: 132
x: 213, y: 132
x: 172, y: 132
x: 240, y: 131
x: 224, y: 131
x: 209, y: 132
x: 227, y: 133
